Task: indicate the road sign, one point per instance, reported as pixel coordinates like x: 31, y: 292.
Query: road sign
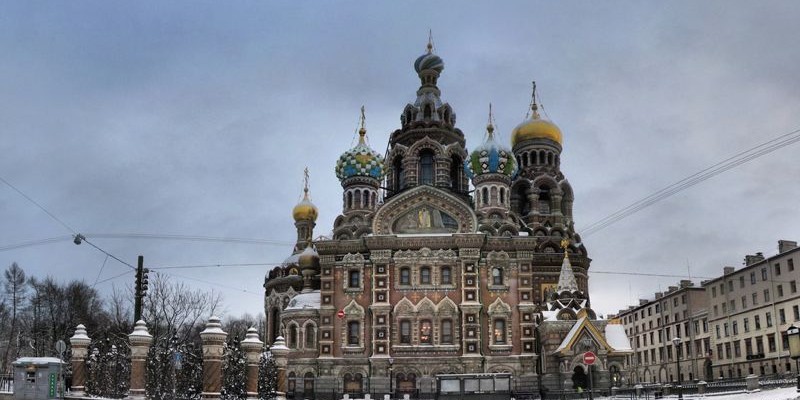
x: 589, y: 358
x: 340, y: 314
x: 61, y: 347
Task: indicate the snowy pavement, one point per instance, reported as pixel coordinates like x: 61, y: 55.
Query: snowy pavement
x: 788, y: 393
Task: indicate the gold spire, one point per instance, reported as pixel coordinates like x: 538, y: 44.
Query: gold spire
x: 565, y: 245
x: 362, y: 132
x: 430, y: 41
x: 535, y: 127
x: 489, y: 125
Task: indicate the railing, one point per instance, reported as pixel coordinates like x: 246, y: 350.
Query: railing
x: 7, y: 383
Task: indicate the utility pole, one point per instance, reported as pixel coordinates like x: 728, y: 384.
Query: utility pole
x: 141, y: 289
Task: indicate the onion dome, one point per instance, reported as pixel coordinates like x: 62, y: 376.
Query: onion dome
x: 305, y: 210
x: 535, y: 127
x: 308, y: 258
x: 490, y: 157
x: 361, y: 160
x: 429, y: 61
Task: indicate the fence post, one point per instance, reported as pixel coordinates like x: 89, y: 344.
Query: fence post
x: 752, y: 383
x: 213, y: 338
x: 252, y: 347
x: 80, y: 348
x: 140, y: 340
x: 281, y: 354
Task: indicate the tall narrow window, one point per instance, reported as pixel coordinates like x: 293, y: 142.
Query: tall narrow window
x: 497, y: 276
x: 425, y: 331
x: 354, y: 279
x: 499, y: 331
x: 425, y: 275
x: 405, y: 276
x: 485, y: 197
x: 426, y: 167
x: 405, y: 332
x: 293, y: 337
x: 399, y: 175
x: 456, y: 174
x: 447, y: 332
x: 502, y: 196
x: 353, y: 333
x: 447, y: 279
x: 311, y: 340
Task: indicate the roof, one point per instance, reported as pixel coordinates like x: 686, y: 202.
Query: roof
x: 612, y: 340
x: 38, y: 361
x: 305, y: 301
x: 616, y: 338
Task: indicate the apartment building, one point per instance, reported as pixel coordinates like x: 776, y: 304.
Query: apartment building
x: 750, y: 310
x: 681, y: 312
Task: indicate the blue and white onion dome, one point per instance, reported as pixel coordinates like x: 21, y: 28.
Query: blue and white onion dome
x: 361, y: 160
x: 429, y: 61
x: 490, y: 158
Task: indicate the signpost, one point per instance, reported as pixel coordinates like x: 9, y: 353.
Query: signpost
x: 61, y: 347
x: 589, y: 358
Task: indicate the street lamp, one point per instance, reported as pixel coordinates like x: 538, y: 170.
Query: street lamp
x: 793, y: 335
x: 391, y: 377
x: 677, y: 342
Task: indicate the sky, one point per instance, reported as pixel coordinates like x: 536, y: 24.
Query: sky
x: 197, y: 119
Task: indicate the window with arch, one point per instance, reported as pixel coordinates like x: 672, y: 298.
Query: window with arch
x: 365, y: 201
x: 354, y: 279
x: 426, y: 172
x: 485, y: 196
x: 405, y: 276
x: 428, y: 111
x: 353, y: 383
x: 502, y: 196
x: 456, y: 174
x: 349, y: 199
x: 357, y: 198
x: 425, y: 275
x: 308, y: 385
x: 405, y: 331
x: 291, y: 382
x: 544, y: 200
x: 446, y: 335
x: 425, y: 332
x: 293, y: 337
x: 499, y: 331
x: 276, y: 324
x: 399, y: 175
x: 353, y: 333
x: 311, y: 337
x: 446, y: 276
x: 497, y: 276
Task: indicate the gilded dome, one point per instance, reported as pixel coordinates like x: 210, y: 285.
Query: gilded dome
x: 305, y: 209
x: 308, y: 258
x: 536, y: 127
x: 490, y: 157
x: 361, y: 160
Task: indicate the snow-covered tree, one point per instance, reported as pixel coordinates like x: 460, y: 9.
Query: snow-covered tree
x: 267, y: 376
x: 234, y: 372
x: 109, y: 371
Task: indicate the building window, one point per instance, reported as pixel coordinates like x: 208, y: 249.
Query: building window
x: 777, y: 269
x: 497, y: 276
x: 766, y: 295
x: 793, y: 287
x: 354, y: 279
x: 293, y: 337
x: 425, y: 330
x: 753, y: 277
x: 447, y: 279
x: 763, y: 274
x: 499, y: 331
x: 757, y: 320
x: 447, y: 332
x: 310, y: 337
x: 780, y: 290
x: 426, y: 167
x: 353, y: 333
x: 769, y: 319
x: 405, y: 332
x: 746, y: 324
x: 790, y: 264
x: 399, y: 176
x: 735, y: 328
x: 741, y: 281
x: 425, y: 275
x: 796, y: 311
x: 405, y: 276
x: 744, y: 302
x: 755, y: 299
x: 782, y: 316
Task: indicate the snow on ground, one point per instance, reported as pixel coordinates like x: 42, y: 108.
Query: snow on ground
x: 788, y: 393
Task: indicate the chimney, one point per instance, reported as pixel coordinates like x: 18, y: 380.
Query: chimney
x: 727, y: 270
x: 751, y: 259
x: 786, y: 245
x: 686, y: 283
x: 659, y: 295
x: 642, y: 302
x: 672, y: 289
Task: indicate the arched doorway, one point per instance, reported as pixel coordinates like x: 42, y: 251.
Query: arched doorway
x: 308, y: 385
x: 579, y: 378
x: 353, y: 383
x: 406, y: 384
x: 707, y: 366
x: 615, y: 375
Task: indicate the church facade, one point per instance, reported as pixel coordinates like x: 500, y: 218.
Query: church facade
x: 424, y: 277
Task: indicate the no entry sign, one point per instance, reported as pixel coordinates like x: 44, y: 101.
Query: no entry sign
x: 588, y: 358
x: 340, y: 314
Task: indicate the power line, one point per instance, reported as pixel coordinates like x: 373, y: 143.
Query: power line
x: 199, y: 238
x: 112, y: 278
x: 216, y: 266
x: 64, y: 224
x: 209, y: 283
x: 648, y: 274
x: 685, y: 183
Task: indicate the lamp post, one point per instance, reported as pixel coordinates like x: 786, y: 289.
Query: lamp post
x: 391, y: 377
x: 793, y: 335
x: 677, y: 342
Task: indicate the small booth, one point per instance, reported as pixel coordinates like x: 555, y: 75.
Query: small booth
x: 38, y: 378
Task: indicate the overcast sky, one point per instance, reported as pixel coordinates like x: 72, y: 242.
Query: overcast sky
x: 197, y: 118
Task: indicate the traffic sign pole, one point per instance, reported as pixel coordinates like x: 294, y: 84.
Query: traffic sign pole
x: 589, y: 358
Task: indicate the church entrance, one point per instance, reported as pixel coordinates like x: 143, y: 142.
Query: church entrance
x: 353, y: 383
x: 579, y: 378
x: 406, y: 384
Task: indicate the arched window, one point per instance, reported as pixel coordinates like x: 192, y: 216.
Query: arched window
x: 405, y: 276
x: 425, y: 332
x: 349, y: 200
x: 399, y: 176
x: 425, y: 275
x: 485, y: 197
x: 308, y: 385
x: 524, y: 160
x: 427, y: 112
x: 502, y: 196
x: 311, y: 340
x: 446, y: 332
x: 353, y: 333
x: 499, y: 332
x: 405, y: 332
x: 353, y: 383
x: 456, y: 174
x: 426, y: 167
x: 493, y: 197
x: 447, y: 279
x: 291, y: 382
x: 293, y: 336
x: 544, y: 200
x: 365, y: 202
x: 408, y: 116
x: 497, y: 276
x: 276, y: 324
x: 354, y: 279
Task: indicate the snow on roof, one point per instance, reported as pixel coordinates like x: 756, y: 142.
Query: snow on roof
x: 616, y: 337
x: 422, y: 234
x: 37, y: 361
x: 292, y: 259
x: 570, y: 335
x: 550, y: 315
x: 305, y: 301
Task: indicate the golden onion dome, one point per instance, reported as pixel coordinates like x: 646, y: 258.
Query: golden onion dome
x: 536, y: 128
x: 308, y: 258
x: 305, y: 209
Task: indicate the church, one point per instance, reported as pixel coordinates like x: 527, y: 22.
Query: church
x: 426, y: 278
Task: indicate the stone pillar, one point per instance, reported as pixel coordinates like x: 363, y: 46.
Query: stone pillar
x: 752, y: 383
x: 281, y: 354
x: 252, y: 348
x: 701, y: 387
x: 213, y: 338
x: 80, y: 348
x: 140, y: 340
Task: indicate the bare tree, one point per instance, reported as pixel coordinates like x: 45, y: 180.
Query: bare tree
x: 174, y: 309
x: 15, y: 291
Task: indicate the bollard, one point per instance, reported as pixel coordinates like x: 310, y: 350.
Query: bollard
x: 752, y: 383
x: 252, y: 347
x: 140, y: 340
x: 80, y: 348
x: 213, y: 338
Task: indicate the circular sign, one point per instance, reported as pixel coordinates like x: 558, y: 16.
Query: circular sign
x: 340, y: 314
x: 588, y: 358
x: 61, y: 347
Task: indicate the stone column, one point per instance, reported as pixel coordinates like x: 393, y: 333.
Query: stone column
x: 281, y: 354
x: 213, y: 338
x: 140, y: 340
x: 252, y: 348
x: 80, y: 348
